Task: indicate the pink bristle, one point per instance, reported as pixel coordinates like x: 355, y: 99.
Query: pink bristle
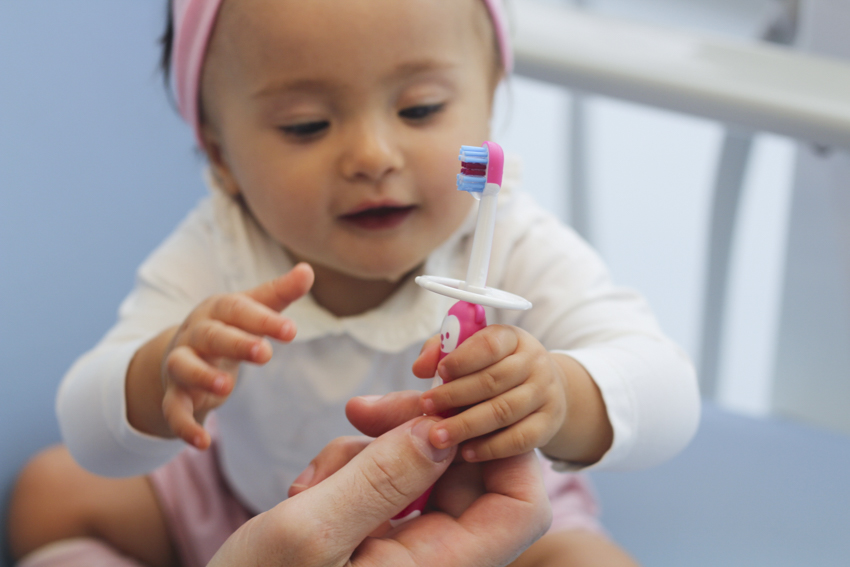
x: 475, y: 169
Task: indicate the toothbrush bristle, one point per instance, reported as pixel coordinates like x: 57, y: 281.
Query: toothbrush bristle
x: 473, y: 154
x: 477, y: 169
x: 473, y: 168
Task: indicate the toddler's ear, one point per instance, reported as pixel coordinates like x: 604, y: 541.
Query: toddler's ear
x: 218, y: 162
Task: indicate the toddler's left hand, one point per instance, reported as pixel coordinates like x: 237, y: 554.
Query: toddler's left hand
x: 516, y: 390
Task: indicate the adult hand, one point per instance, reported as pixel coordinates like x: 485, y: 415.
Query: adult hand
x: 330, y: 523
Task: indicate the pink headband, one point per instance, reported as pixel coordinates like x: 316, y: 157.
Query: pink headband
x: 193, y: 24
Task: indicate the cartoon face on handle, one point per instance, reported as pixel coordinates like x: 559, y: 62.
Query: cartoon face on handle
x: 449, y: 334
x: 462, y: 321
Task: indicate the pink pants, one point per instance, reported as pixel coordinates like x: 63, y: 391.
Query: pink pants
x: 202, y: 512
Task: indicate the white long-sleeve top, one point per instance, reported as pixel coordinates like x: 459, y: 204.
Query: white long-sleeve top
x: 282, y: 414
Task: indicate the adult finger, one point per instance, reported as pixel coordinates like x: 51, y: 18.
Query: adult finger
x: 512, y: 514
x: 375, y: 415
x: 486, y: 347
x: 278, y: 293
x: 379, y: 482
x: 515, y: 490
x: 458, y: 488
x: 333, y: 457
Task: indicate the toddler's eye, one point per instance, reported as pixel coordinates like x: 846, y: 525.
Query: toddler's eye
x: 421, y: 112
x: 306, y: 129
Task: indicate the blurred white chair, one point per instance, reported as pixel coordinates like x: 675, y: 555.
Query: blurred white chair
x: 750, y: 86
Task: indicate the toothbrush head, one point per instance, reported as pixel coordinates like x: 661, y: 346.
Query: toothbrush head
x: 480, y: 166
x: 481, y: 175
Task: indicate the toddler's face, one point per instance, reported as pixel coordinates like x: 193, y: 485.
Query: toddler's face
x: 339, y: 123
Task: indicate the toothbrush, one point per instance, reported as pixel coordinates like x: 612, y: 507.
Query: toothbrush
x: 481, y: 176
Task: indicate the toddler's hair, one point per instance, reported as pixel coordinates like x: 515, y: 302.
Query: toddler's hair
x: 188, y: 32
x: 166, y: 42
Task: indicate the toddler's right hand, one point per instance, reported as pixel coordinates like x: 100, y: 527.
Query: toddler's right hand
x: 200, y: 364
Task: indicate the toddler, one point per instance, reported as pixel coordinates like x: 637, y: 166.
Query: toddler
x: 331, y: 130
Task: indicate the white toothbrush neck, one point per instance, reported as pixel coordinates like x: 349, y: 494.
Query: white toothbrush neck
x: 482, y: 242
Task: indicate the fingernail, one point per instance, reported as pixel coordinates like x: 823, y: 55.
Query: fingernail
x: 286, y: 329
x: 469, y: 455
x: 442, y: 436
x: 428, y: 406
x: 420, y: 431
x: 218, y: 385
x: 370, y: 399
x: 255, y: 351
x: 305, y: 477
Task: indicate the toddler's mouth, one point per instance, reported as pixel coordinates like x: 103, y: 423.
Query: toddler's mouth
x: 379, y: 218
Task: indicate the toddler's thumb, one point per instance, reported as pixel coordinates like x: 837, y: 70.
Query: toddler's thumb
x: 379, y: 482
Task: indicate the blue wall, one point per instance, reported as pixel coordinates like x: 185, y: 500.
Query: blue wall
x: 95, y: 169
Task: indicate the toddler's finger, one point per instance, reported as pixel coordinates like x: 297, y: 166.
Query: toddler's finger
x: 426, y: 365
x: 278, y: 293
x: 527, y: 434
x: 177, y: 408
x: 486, y: 347
x: 246, y: 313
x: 477, y: 387
x: 215, y: 339
x: 486, y: 417
x: 187, y: 369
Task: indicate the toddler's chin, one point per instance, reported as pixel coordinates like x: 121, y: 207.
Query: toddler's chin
x: 388, y: 271
x: 396, y: 277
x: 393, y: 276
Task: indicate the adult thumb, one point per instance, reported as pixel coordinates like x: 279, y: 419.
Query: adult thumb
x: 377, y: 484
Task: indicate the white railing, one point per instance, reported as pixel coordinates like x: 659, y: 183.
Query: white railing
x: 752, y: 85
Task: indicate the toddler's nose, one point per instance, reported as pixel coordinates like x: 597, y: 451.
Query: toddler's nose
x: 371, y: 153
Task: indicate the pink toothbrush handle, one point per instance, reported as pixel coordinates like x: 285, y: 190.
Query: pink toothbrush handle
x: 462, y: 321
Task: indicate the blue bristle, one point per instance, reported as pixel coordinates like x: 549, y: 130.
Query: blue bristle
x: 472, y: 154
x: 472, y: 183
